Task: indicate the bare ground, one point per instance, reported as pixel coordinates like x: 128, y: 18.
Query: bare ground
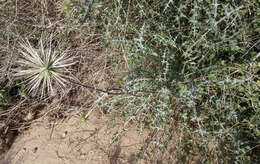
x: 72, y: 141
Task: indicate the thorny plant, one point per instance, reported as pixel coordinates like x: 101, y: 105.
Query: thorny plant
x: 200, y: 56
x: 43, y: 69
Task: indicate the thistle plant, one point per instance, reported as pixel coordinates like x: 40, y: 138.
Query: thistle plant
x: 199, y: 59
x: 43, y: 69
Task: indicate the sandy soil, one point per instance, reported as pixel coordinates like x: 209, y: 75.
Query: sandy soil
x: 72, y: 141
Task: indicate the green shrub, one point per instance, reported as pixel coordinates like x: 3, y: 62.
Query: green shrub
x: 202, y: 55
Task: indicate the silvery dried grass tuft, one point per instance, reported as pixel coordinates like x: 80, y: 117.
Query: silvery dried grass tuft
x: 43, y: 69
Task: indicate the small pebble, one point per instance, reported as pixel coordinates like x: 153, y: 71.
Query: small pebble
x: 64, y: 134
x: 35, y: 149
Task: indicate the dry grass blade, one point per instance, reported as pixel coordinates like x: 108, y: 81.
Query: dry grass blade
x: 43, y: 69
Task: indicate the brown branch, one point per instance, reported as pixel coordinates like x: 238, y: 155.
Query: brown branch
x: 110, y: 90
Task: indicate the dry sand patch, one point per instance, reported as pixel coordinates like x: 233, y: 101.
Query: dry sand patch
x: 72, y: 141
